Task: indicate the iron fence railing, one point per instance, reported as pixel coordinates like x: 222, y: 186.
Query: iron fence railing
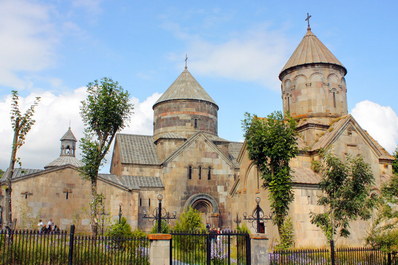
x: 210, y: 248
x: 343, y: 256
x: 34, y: 247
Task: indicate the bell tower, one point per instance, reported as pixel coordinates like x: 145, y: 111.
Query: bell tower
x: 313, y: 84
x: 68, y: 144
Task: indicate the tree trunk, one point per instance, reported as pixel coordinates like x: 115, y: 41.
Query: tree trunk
x: 8, y: 176
x: 94, y: 208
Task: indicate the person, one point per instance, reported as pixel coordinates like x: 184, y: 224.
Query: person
x: 50, y: 225
x: 40, y: 225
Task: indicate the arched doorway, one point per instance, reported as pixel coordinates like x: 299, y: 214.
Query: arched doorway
x: 207, y: 206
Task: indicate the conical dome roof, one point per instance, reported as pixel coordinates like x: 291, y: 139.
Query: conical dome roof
x: 69, y: 136
x: 185, y: 87
x: 311, y: 50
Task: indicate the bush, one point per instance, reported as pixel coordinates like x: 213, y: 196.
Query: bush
x: 243, y: 229
x: 122, y: 229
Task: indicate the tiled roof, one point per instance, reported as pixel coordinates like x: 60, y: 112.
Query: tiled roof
x: 21, y: 172
x: 65, y: 160
x: 234, y: 149
x: 311, y: 50
x: 132, y: 182
x: 185, y: 87
x: 170, y: 135
x: 137, y: 149
x: 69, y: 136
x: 305, y: 176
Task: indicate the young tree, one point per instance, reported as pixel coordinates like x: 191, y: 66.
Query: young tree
x: 384, y: 233
x: 347, y: 195
x: 105, y: 111
x: 21, y: 125
x: 271, y: 143
x: 395, y: 162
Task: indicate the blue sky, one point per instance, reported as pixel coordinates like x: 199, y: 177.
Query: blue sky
x: 236, y: 49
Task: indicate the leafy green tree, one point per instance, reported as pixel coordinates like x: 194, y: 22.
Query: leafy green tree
x: 105, y: 111
x: 122, y: 229
x: 287, y: 235
x: 347, y: 195
x: 395, y: 162
x: 21, y: 125
x: 190, y: 220
x: 271, y: 144
x: 1, y: 172
x: 384, y: 232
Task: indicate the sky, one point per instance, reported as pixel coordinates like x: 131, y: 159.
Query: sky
x: 235, y: 49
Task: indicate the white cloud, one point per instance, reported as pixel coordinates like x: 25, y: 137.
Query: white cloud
x: 255, y: 55
x: 28, y: 39
x: 380, y: 121
x: 52, y: 120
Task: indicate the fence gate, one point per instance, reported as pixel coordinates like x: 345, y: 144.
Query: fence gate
x: 210, y: 248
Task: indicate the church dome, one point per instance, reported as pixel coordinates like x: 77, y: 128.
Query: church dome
x: 184, y: 109
x: 185, y: 87
x: 311, y: 51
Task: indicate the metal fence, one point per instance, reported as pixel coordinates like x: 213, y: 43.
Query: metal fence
x: 37, y: 248
x: 344, y: 256
x: 208, y: 248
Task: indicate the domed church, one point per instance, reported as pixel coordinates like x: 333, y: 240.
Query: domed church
x: 191, y: 166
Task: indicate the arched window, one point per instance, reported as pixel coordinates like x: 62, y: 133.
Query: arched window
x: 209, y: 174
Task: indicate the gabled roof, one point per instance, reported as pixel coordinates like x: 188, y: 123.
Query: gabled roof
x: 65, y: 160
x: 137, y: 149
x: 311, y: 50
x: 69, y: 136
x: 132, y: 182
x: 211, y: 144
x: 339, y: 126
x: 303, y: 175
x: 185, y: 87
x: 20, y: 172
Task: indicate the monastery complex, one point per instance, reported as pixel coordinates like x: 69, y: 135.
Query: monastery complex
x: 187, y: 162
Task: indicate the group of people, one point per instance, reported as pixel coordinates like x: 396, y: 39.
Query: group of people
x: 50, y: 227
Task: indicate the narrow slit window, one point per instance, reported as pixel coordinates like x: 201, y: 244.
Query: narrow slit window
x: 209, y: 174
x: 288, y: 104
x: 140, y: 201
x: 189, y: 172
x: 334, y: 98
x: 195, y: 123
x: 149, y: 202
x: 200, y: 172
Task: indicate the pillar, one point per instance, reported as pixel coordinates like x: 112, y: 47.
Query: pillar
x: 259, y: 249
x: 159, y: 250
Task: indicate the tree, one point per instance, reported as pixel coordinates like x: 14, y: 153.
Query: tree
x: 105, y: 111
x: 21, y: 125
x: 384, y: 232
x: 271, y: 144
x: 1, y: 173
x: 395, y: 162
x: 347, y: 195
x: 190, y: 220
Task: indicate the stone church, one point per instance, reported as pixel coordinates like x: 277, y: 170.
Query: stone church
x: 190, y: 165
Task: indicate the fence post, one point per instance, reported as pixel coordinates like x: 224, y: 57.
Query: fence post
x: 159, y: 250
x: 332, y: 252
x: 209, y: 243
x: 259, y: 249
x: 71, y: 239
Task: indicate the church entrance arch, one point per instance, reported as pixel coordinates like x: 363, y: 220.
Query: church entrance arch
x: 207, y: 207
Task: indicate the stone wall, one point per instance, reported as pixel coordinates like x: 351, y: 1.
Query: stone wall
x: 185, y: 117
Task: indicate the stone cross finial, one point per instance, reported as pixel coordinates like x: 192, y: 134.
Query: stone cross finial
x: 186, y: 61
x: 308, y: 21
